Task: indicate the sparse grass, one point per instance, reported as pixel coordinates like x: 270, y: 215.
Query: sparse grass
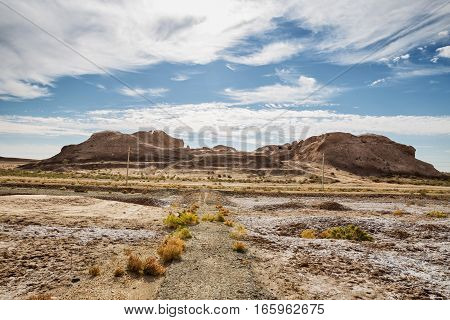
x: 238, y: 232
x: 152, y: 267
x: 94, y: 271
x: 208, y: 217
x: 183, y: 219
x: 171, y: 249
x: 348, y: 232
x: 40, y: 296
x: 134, y: 264
x: 308, y: 234
x: 228, y: 223
x: 182, y: 233
x: 398, y: 212
x: 239, y: 246
x: 119, y: 272
x: 437, y: 214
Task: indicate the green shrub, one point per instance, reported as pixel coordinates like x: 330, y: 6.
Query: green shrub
x: 348, y: 232
x: 437, y: 214
x: 208, y: 217
x: 182, y: 233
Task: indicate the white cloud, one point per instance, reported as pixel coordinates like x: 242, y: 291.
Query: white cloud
x: 271, y: 53
x: 305, y: 91
x: 377, y: 82
x: 118, y: 36
x: 222, y: 118
x: 180, y: 77
x: 230, y: 66
x: 137, y: 92
x: 443, y: 52
x: 443, y: 33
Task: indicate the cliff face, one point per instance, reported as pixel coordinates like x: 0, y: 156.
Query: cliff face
x: 362, y: 155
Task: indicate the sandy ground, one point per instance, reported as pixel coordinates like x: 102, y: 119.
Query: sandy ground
x: 48, y: 243
x: 408, y: 258
x: 50, y: 238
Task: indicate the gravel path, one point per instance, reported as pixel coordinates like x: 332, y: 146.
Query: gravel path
x: 210, y: 269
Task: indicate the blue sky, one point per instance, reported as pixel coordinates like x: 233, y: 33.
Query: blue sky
x: 225, y: 73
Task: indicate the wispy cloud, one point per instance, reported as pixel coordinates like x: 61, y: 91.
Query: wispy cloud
x: 180, y: 77
x: 136, y: 92
x: 305, y: 91
x: 271, y: 53
x: 377, y: 82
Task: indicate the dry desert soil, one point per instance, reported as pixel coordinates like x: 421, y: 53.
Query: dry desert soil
x: 50, y: 238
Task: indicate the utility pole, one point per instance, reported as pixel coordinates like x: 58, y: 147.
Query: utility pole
x: 323, y: 169
x: 128, y: 165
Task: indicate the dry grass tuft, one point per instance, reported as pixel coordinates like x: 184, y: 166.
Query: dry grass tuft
x: 229, y: 223
x: 183, y: 219
x: 208, y: 217
x: 171, y: 249
x: 182, y: 233
x: 239, y: 246
x: 219, y: 217
x: 238, y: 232
x: 94, y: 271
x: 398, y: 212
x: 308, y: 234
x: 437, y: 214
x: 152, y: 267
x: 134, y: 264
x: 119, y: 272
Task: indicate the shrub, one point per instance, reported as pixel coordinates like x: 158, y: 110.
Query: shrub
x: 308, y: 234
x: 331, y: 205
x: 152, y: 267
x: 188, y: 218
x: 208, y: 217
x: 398, y: 212
x: 219, y: 217
x: 348, y: 232
x: 134, y: 264
x: 119, y: 272
x: 229, y: 223
x: 437, y: 214
x: 171, y: 249
x: 182, y: 233
x: 94, y: 271
x: 172, y: 221
x: 238, y: 232
x: 239, y: 246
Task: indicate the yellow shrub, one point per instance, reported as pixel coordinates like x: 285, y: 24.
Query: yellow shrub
x: 437, y: 214
x: 182, y: 233
x: 171, y: 249
x: 238, y: 232
x: 229, y: 223
x: 94, y: 271
x: 208, y: 217
x: 308, y: 234
x: 239, y: 246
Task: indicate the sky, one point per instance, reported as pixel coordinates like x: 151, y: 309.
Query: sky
x: 241, y: 73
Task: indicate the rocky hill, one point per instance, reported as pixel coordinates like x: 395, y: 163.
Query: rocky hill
x: 363, y: 155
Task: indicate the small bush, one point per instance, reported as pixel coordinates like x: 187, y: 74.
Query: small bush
x: 172, y: 221
x: 437, y: 214
x: 308, y: 234
x: 119, y: 272
x: 219, y: 217
x: 348, y: 232
x: 182, y: 233
x: 398, y: 212
x: 188, y: 218
x: 229, y: 223
x: 134, y: 264
x: 171, y: 249
x: 238, y: 232
x: 152, y: 267
x: 239, y: 246
x: 208, y: 217
x: 332, y: 206
x: 94, y: 271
